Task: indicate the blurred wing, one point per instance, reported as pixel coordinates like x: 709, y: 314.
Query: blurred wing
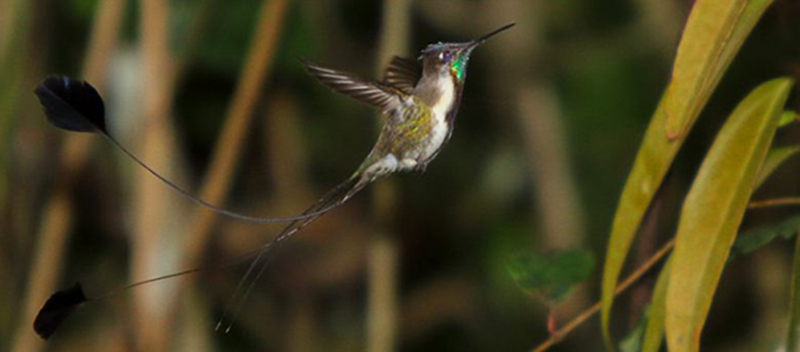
x: 403, y: 74
x: 384, y: 97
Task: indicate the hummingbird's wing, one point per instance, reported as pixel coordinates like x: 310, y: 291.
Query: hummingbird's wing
x: 385, y: 97
x: 403, y: 74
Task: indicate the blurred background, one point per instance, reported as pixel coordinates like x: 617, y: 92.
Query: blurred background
x: 211, y: 94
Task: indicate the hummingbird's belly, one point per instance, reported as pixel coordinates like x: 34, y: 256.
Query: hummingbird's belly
x: 415, y: 153
x: 409, y: 140
x: 437, y: 138
x: 424, y: 132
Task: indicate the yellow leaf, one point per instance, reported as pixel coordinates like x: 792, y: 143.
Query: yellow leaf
x: 713, y: 35
x: 713, y: 210
x: 657, y: 151
x: 654, y: 330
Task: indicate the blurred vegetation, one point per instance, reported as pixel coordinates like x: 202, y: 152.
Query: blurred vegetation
x: 552, y: 116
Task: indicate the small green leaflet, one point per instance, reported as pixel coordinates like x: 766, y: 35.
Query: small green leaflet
x: 633, y: 341
x: 551, y: 276
x: 753, y: 240
x: 788, y: 117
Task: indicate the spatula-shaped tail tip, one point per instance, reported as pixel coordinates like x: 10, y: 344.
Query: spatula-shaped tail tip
x: 72, y: 105
x: 57, y: 308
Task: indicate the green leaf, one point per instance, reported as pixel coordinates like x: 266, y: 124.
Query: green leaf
x: 747, y: 242
x: 633, y: 342
x: 657, y: 152
x: 654, y: 332
x: 713, y: 210
x: 775, y: 158
x: 713, y: 35
x: 755, y: 239
x: 793, y: 330
x: 787, y: 118
x: 652, y: 162
x: 550, y: 277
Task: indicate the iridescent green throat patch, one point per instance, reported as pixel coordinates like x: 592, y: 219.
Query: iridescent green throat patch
x: 459, y: 65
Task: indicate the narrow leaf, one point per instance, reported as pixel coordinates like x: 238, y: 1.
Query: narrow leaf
x: 788, y: 117
x: 775, y: 158
x: 652, y: 162
x: 633, y: 342
x: 793, y: 331
x: 745, y: 243
x: 755, y: 239
x: 654, y: 332
x: 714, y: 208
x: 713, y: 35
x: 657, y: 153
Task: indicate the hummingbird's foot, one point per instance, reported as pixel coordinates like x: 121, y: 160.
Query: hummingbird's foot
x: 409, y: 163
x: 386, y: 165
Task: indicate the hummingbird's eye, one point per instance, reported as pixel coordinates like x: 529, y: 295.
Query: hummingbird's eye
x: 445, y: 56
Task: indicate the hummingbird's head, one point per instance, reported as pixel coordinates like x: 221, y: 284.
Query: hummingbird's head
x: 450, y: 59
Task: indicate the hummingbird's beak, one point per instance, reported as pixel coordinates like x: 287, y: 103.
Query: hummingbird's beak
x: 475, y: 43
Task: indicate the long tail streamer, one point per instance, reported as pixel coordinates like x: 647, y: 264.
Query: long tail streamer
x: 331, y: 200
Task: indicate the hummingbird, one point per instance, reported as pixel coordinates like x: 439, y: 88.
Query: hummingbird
x: 419, y: 100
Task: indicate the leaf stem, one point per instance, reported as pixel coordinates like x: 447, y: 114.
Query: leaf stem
x: 777, y: 202
x: 624, y: 285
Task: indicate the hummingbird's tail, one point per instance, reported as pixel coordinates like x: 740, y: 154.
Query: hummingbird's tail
x: 330, y: 201
x: 62, y: 303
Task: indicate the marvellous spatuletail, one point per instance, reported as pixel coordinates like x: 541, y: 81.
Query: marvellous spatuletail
x: 419, y: 103
x: 419, y: 99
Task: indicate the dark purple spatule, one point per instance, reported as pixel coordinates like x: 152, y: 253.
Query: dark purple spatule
x: 72, y: 105
x: 57, y: 308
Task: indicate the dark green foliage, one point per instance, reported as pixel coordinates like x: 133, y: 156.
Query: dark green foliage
x: 633, y: 341
x: 551, y: 276
x: 753, y: 240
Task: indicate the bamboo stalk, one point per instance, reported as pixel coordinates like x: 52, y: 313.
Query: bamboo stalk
x: 286, y: 156
x: 286, y: 152
x: 56, y: 219
x: 14, y: 18
x: 382, y: 258
x: 228, y: 149
x: 192, y: 37
x: 9, y: 12
x: 49, y: 254
x: 151, y: 210
x: 238, y: 118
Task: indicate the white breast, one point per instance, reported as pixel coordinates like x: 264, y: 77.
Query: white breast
x: 439, y: 110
